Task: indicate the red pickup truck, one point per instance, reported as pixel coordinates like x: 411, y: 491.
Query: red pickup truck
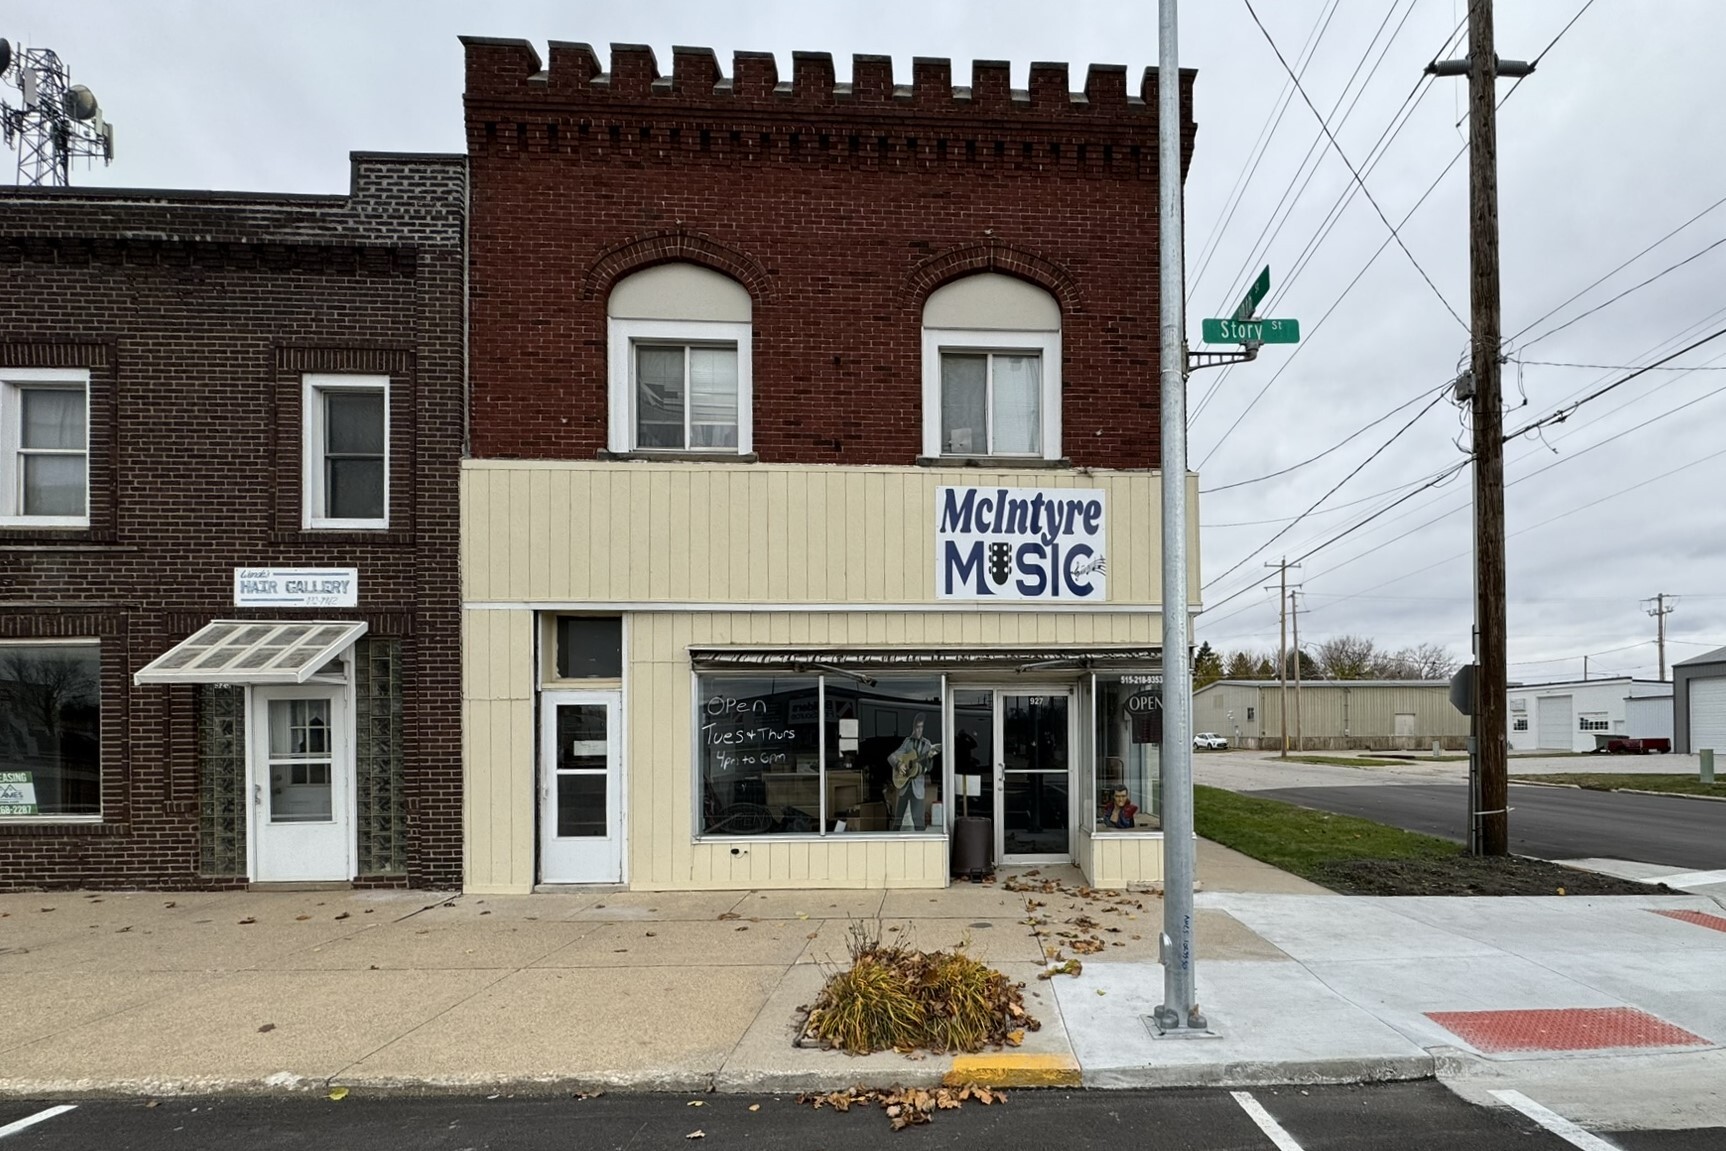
x: 1621, y: 745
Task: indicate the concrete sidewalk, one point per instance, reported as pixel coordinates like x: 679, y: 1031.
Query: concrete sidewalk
x: 157, y: 993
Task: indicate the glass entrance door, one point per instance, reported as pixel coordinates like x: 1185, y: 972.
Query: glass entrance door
x: 581, y: 777
x: 1034, y: 798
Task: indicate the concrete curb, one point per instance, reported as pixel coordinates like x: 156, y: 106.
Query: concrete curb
x: 1253, y: 1073
x: 1620, y: 790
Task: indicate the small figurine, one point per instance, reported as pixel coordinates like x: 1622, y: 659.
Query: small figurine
x: 1120, y: 810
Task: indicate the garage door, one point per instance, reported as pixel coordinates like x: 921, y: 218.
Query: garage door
x: 1553, y: 721
x: 1708, y: 714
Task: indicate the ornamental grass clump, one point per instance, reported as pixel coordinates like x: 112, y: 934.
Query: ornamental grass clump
x: 897, y: 998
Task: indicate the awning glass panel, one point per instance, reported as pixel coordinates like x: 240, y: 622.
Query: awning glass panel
x: 245, y: 651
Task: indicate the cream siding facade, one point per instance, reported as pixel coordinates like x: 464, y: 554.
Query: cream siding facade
x: 747, y: 556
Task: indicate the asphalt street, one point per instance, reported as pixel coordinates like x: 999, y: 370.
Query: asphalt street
x: 1420, y: 1116
x: 1545, y: 822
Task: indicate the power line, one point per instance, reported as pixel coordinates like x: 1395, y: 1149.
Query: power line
x: 1261, y: 145
x: 1379, y: 149
x: 1460, y: 152
x: 1334, y: 447
x: 1627, y: 291
x: 1316, y: 147
x: 1604, y: 367
x: 1395, y: 235
x: 1602, y: 279
x: 1334, y: 487
x: 1561, y: 414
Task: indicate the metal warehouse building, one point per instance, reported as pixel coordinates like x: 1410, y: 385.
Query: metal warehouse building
x: 1699, y: 702
x: 1333, y: 715
x: 1567, y: 716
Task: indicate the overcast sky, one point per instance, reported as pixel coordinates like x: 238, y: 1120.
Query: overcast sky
x: 1603, y: 151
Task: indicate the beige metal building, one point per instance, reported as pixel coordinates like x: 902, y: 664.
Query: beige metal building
x: 1333, y: 715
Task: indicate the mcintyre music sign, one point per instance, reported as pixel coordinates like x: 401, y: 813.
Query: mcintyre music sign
x: 1038, y: 544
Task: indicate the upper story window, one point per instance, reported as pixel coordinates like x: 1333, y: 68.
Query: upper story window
x: 45, y: 447
x: 347, y: 426
x: 679, y: 337
x: 991, y: 370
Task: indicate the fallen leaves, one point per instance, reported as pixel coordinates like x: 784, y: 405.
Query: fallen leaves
x: 266, y: 1028
x: 248, y: 919
x: 338, y: 1093
x: 904, y: 1107
x: 1071, y: 967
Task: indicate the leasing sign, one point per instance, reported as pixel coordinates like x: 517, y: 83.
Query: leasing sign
x: 1020, y: 544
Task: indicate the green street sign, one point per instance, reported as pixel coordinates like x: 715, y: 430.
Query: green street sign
x: 1252, y: 331
x: 1261, y: 287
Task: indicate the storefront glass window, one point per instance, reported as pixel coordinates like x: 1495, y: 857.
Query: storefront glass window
x: 761, y: 739
x: 883, y: 754
x: 50, y: 729
x: 1129, y: 731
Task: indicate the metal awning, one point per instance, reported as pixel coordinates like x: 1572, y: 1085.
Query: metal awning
x: 890, y: 659
x: 252, y: 651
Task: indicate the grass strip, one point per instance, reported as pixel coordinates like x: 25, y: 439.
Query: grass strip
x: 1301, y: 840
x: 1671, y: 784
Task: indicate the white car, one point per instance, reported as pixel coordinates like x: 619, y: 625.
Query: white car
x: 1210, y: 741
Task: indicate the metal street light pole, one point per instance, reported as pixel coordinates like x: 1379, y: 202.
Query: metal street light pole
x: 1180, y: 1006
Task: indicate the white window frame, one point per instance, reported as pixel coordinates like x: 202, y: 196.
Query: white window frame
x: 312, y: 494
x: 12, y: 382
x: 1045, y: 345
x: 623, y: 336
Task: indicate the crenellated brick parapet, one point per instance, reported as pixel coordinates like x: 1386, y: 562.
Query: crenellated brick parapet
x: 839, y: 208
x: 509, y: 89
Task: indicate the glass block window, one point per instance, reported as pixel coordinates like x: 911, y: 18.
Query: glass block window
x: 382, y: 808
x: 221, y: 780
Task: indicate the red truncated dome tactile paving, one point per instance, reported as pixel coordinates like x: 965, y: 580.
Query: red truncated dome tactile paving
x: 1563, y: 1029
x: 1699, y: 918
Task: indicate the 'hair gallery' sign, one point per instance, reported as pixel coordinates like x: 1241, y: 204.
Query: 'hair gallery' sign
x: 1020, y: 544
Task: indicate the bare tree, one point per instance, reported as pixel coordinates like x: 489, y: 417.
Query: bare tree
x: 1349, y: 657
x: 1424, y: 661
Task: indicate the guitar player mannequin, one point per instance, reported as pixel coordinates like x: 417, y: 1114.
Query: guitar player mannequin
x: 910, y: 764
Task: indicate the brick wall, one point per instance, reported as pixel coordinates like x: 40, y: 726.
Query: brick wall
x: 196, y: 314
x: 840, y: 208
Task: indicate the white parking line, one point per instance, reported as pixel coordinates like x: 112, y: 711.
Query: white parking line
x: 1283, y: 1140
x: 39, y: 1117
x: 1555, y: 1123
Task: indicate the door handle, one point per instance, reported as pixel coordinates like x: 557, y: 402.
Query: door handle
x: 258, y: 794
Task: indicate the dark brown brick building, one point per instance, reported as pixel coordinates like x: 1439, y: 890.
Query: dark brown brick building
x: 812, y: 488
x: 231, y: 407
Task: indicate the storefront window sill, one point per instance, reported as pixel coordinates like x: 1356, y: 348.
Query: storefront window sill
x: 59, y: 825
x: 681, y: 457
x: 1004, y: 463
x: 1147, y: 833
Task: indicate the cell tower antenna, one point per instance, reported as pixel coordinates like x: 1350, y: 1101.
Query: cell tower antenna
x: 53, y: 121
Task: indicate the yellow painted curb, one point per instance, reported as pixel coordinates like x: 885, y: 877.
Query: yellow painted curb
x: 1014, y: 1069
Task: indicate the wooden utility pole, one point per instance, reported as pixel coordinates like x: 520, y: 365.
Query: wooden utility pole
x: 1660, y: 611
x: 1294, y: 616
x: 1483, y: 67
x: 1283, y: 650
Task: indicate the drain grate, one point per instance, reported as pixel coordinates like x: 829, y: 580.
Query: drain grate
x: 1563, y: 1029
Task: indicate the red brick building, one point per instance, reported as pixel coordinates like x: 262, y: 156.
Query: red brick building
x: 231, y: 407
x: 811, y: 505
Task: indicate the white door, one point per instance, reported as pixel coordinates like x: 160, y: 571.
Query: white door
x: 1708, y: 715
x: 302, y: 784
x: 581, y: 787
x: 1552, y: 717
